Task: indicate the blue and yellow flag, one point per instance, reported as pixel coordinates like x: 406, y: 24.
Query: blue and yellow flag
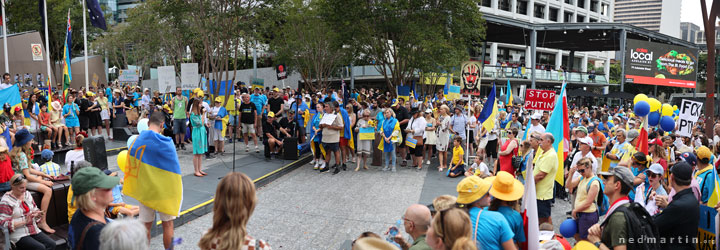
x: 489, y: 112
x: 11, y: 96
x: 403, y: 92
x: 347, y: 131
x: 559, y: 128
x: 509, y: 96
x: 67, y: 72
x: 153, y: 173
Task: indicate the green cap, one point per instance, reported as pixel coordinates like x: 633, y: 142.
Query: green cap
x: 91, y: 177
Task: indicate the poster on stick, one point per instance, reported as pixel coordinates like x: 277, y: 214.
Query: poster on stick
x: 690, y: 112
x: 536, y: 99
x: 189, y: 76
x: 166, y: 79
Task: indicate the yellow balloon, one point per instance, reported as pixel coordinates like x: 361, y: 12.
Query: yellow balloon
x: 640, y: 97
x: 667, y: 110
x: 655, y: 105
x: 122, y: 160
x: 675, y: 107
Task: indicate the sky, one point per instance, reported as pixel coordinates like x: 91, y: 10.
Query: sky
x: 691, y: 11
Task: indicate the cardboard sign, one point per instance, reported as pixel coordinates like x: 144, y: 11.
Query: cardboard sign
x: 536, y: 99
x: 690, y: 112
x: 470, y: 74
x: 189, y: 76
x: 129, y: 76
x: 166, y: 79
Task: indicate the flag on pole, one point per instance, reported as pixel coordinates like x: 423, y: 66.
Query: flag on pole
x: 530, y: 213
x: 96, y: 15
x: 67, y: 72
x: 489, y: 112
x: 509, y: 96
x: 642, y: 144
x: 559, y: 127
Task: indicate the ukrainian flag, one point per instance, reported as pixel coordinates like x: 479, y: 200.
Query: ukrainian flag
x: 67, y: 72
x: 489, y: 112
x: 403, y: 92
x: 313, y: 134
x: 153, y: 173
x: 347, y: 134
x: 715, y: 195
x: 11, y: 96
x: 558, y: 126
x: 509, y: 96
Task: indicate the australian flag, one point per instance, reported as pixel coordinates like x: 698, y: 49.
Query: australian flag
x: 96, y: 14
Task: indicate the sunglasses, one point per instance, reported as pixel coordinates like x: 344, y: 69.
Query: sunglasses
x: 19, y: 179
x: 442, y: 223
x: 653, y: 175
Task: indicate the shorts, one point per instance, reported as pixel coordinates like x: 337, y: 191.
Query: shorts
x: 417, y: 151
x: 491, y: 148
x: 585, y: 221
x: 232, y: 121
x: 457, y: 171
x: 179, y: 126
x: 116, y: 210
x: 104, y: 115
x: 331, y: 147
x: 94, y: 119
x: 148, y: 215
x: 215, y: 134
x: 33, y: 186
x: 72, y: 123
x: 343, y: 142
x: 247, y: 128
x: 543, y: 208
x: 43, y: 128
x: 364, y: 146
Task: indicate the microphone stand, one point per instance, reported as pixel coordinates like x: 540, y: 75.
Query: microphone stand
x: 234, y: 134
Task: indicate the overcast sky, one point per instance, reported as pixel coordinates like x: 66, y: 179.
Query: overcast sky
x: 691, y: 11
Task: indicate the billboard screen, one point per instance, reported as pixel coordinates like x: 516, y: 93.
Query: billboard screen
x: 660, y: 64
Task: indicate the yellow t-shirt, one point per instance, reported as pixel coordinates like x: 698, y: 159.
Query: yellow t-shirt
x: 582, y: 190
x: 458, y: 153
x: 103, y: 102
x: 627, y: 151
x: 71, y: 206
x: 547, y: 163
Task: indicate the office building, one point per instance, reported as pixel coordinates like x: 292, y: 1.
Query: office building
x: 689, y: 32
x: 656, y: 15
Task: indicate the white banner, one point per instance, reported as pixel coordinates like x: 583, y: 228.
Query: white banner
x: 129, y: 76
x: 690, y: 112
x: 166, y: 79
x: 189, y: 75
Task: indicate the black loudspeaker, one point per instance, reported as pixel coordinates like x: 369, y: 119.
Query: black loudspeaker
x: 120, y: 121
x: 94, y: 149
x: 122, y: 134
x: 290, y: 150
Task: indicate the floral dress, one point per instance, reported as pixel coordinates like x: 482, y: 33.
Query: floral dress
x: 443, y: 139
x: 199, y: 135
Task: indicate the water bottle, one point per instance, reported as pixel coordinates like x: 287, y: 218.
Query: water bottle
x: 393, y: 231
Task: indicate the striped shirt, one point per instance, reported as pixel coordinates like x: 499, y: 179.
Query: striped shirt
x: 51, y: 168
x: 12, y: 209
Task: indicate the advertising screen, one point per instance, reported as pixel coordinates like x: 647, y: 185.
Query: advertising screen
x: 660, y: 64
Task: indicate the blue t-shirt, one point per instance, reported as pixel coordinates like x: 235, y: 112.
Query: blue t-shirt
x: 72, y: 109
x: 458, y: 125
x: 492, y: 230
x: 119, y: 101
x: 117, y: 194
x: 300, y: 111
x: 605, y: 129
x: 259, y: 100
x: 515, y: 221
x: 136, y: 97
x: 108, y: 93
x: 221, y: 113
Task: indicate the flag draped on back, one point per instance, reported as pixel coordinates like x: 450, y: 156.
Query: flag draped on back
x: 347, y: 132
x: 67, y: 72
x: 153, y: 173
x: 96, y: 15
x: 715, y: 195
x: 559, y: 127
x: 489, y: 112
x: 509, y: 96
x: 11, y: 95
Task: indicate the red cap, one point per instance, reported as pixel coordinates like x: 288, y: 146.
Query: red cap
x: 655, y: 141
x: 18, y: 109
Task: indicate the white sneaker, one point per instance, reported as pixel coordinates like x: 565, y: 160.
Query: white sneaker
x: 312, y: 162
x: 428, y: 162
x: 317, y: 164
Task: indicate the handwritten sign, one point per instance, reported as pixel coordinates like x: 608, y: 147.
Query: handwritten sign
x: 689, y: 114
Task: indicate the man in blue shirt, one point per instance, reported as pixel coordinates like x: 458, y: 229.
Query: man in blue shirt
x: 605, y: 126
x: 260, y: 101
x: 490, y: 228
x: 298, y: 116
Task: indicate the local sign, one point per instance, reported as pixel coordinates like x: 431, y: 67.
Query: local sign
x: 536, y: 99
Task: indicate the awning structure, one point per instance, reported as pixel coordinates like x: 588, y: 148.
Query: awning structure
x: 581, y: 93
x: 620, y: 95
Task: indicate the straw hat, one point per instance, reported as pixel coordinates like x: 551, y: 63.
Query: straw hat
x: 506, y: 187
x: 3, y: 145
x: 472, y: 189
x: 373, y: 243
x: 56, y: 105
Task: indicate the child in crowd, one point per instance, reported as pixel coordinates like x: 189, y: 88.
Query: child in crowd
x: 45, y: 126
x: 49, y: 167
x: 479, y: 168
x: 457, y: 166
x: 118, y: 206
x: 6, y: 171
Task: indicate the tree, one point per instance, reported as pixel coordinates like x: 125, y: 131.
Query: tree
x: 709, y: 25
x: 307, y: 43
x: 402, y: 38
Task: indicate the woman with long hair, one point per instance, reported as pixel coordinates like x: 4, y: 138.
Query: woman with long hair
x: 57, y: 120
x: 430, y: 135
x: 450, y: 230
x: 199, y: 137
x: 443, y: 124
x: 105, y: 112
x: 234, y: 204
x: 316, y: 136
x: 507, y: 151
x: 19, y: 155
x: 70, y: 113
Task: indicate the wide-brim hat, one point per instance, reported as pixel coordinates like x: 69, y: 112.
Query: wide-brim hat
x: 506, y: 187
x: 3, y: 145
x: 22, y: 136
x: 56, y: 105
x: 472, y: 189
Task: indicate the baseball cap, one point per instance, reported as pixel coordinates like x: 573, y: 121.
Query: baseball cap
x: 472, y: 189
x: 585, y: 140
x: 88, y: 178
x: 271, y: 114
x: 536, y: 116
x: 632, y: 134
x: 47, y: 154
x: 276, y: 89
x: 689, y: 158
x: 581, y: 129
x: 218, y: 99
x: 656, y: 168
x: 682, y: 170
x: 703, y: 153
x: 623, y: 173
x: 428, y: 111
x: 656, y: 141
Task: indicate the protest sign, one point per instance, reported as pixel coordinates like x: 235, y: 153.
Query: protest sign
x: 189, y: 75
x: 536, y: 99
x: 166, y: 79
x: 690, y: 112
x: 706, y: 228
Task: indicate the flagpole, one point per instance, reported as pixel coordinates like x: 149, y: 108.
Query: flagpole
x: 4, y: 27
x: 87, y: 77
x: 47, y: 45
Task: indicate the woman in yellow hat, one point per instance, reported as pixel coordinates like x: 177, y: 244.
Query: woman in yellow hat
x: 506, y: 191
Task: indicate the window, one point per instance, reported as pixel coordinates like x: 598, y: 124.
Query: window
x: 553, y: 14
x: 581, y: 4
x: 593, y: 20
x: 594, y: 6
x: 539, y: 11
x: 569, y: 2
x: 521, y: 7
x: 568, y: 17
x: 504, y: 5
x: 580, y: 19
x: 486, y: 3
x: 604, y: 9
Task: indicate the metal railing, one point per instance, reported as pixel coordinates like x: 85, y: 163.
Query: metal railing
x: 509, y: 72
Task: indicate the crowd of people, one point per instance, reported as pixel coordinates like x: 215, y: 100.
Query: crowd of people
x: 612, y: 185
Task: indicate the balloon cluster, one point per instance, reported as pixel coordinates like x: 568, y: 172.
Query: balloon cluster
x: 657, y: 112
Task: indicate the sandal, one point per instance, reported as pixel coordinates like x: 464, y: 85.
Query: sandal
x: 199, y: 175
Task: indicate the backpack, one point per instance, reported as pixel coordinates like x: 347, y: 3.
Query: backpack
x: 602, y: 201
x: 639, y: 225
